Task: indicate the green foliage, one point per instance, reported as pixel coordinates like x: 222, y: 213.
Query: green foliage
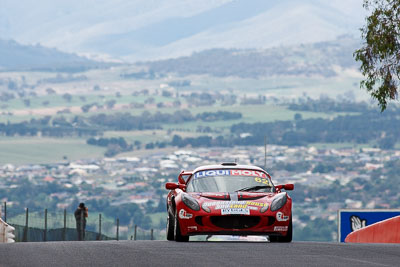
x: 302, y: 166
x: 379, y: 56
x: 328, y: 105
x: 363, y: 128
x: 316, y: 230
x: 114, y: 145
x: 219, y: 115
x: 323, y: 168
x: 297, y: 117
x: 67, y: 97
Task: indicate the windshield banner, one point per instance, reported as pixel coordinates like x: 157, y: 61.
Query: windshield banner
x: 207, y: 173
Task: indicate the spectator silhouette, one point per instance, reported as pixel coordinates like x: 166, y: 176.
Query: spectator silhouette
x: 81, y: 213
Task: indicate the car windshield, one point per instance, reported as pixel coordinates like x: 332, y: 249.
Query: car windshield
x: 229, y: 181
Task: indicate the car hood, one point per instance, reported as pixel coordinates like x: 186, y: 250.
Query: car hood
x: 232, y: 196
x: 234, y: 203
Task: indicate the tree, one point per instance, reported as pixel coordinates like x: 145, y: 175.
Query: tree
x: 67, y: 97
x: 111, y: 103
x: 298, y: 117
x: 87, y: 107
x: 379, y: 55
x: 50, y: 91
x: 27, y: 102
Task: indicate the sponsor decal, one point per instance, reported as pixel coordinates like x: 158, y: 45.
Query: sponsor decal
x: 231, y: 204
x: 257, y: 204
x: 212, y: 173
x: 235, y: 211
x: 280, y: 217
x: 262, y: 180
x: 280, y: 228
x: 247, y: 173
x: 202, y: 174
x: 192, y: 228
x: 236, y: 207
x: 184, y: 215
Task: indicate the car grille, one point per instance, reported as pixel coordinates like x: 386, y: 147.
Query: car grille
x: 271, y: 220
x: 235, y: 222
x: 199, y: 220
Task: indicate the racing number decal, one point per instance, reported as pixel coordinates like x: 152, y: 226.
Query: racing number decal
x: 262, y: 180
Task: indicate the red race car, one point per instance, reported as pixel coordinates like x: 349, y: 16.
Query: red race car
x: 228, y: 199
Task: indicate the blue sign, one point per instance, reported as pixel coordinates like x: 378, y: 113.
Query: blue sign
x: 351, y: 220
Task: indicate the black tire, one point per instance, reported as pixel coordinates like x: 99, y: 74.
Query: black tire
x: 288, y: 237
x: 177, y: 230
x: 170, y: 226
x: 283, y: 239
x: 273, y: 239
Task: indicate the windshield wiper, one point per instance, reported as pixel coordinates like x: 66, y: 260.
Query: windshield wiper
x: 255, y: 188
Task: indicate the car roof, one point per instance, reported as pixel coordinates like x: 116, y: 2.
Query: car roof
x: 226, y: 166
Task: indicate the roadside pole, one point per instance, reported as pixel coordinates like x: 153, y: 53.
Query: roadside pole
x: 65, y: 225
x: 265, y: 152
x: 25, y: 239
x: 45, y: 226
x: 5, y: 211
x: 117, y: 229
x: 99, y: 226
x: 135, y: 233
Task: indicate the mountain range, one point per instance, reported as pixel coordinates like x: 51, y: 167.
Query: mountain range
x: 157, y: 29
x: 322, y: 59
x: 18, y: 57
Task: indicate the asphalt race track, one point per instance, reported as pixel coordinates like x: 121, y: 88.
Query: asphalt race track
x: 164, y: 253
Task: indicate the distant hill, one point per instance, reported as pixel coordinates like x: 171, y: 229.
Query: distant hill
x: 312, y: 59
x: 158, y: 29
x: 14, y: 56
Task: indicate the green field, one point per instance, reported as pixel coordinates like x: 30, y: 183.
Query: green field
x: 340, y: 145
x: 24, y: 150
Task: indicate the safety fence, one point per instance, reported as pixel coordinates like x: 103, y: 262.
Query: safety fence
x: 39, y: 226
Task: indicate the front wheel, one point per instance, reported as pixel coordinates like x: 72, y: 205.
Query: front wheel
x: 170, y: 226
x: 177, y: 230
x: 284, y: 239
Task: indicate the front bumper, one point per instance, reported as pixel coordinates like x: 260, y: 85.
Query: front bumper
x: 213, y: 223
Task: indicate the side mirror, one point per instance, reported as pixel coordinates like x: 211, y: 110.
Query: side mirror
x: 286, y: 187
x: 172, y: 186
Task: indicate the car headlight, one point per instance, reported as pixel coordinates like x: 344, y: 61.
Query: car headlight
x: 205, y: 207
x: 264, y: 209
x: 278, y: 201
x: 190, y: 202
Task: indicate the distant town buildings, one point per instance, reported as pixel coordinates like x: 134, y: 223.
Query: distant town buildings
x: 139, y: 180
